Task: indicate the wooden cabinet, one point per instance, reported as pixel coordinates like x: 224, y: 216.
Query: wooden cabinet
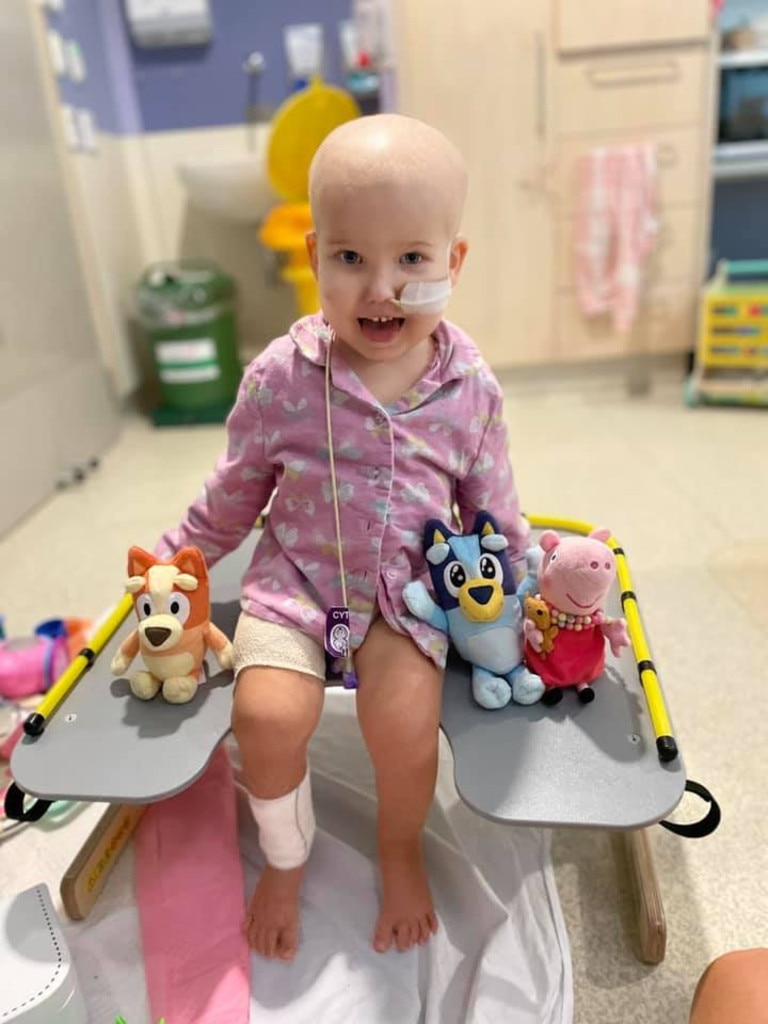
x: 665, y: 324
x: 526, y: 90
x: 461, y: 69
x: 612, y: 24
x: 638, y: 90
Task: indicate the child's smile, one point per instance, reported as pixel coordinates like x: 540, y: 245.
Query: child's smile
x: 381, y: 329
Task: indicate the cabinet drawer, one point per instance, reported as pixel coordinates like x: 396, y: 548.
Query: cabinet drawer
x: 671, y: 315
x: 647, y: 90
x: 676, y: 257
x: 681, y: 170
x: 587, y: 25
x: 665, y: 323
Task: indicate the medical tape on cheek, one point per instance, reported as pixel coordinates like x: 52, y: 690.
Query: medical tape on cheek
x: 286, y: 826
x: 426, y: 296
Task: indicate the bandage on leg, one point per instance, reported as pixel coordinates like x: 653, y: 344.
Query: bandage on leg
x: 286, y: 826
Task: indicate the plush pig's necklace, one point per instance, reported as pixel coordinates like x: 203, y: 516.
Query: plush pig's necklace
x: 564, y: 620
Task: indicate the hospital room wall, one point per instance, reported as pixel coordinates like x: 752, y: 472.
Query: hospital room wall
x: 154, y: 110
x: 57, y: 410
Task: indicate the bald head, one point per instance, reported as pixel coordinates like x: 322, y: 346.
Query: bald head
x: 388, y: 150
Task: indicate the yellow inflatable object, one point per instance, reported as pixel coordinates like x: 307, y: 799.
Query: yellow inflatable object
x: 298, y: 128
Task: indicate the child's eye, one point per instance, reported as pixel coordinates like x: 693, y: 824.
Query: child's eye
x: 411, y: 259
x: 350, y: 257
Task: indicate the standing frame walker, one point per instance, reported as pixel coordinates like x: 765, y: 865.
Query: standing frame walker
x: 612, y: 764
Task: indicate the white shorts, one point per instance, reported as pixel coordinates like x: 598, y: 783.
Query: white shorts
x: 259, y: 642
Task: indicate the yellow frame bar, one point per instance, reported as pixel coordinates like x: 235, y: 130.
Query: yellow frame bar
x: 35, y: 724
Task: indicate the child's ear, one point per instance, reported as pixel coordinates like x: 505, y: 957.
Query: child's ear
x: 459, y: 251
x: 311, y: 240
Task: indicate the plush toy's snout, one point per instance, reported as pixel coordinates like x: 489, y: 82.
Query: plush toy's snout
x: 481, y: 601
x: 157, y: 635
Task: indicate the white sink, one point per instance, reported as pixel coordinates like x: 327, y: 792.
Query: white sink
x: 232, y: 187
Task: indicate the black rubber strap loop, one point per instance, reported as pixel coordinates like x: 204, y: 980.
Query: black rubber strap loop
x: 619, y: 551
x: 14, y: 805
x: 628, y: 595
x: 88, y: 654
x: 645, y: 665
x: 697, y: 829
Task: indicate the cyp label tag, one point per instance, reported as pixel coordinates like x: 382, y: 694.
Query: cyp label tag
x: 337, y: 632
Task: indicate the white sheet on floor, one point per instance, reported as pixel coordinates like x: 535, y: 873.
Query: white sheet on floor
x: 501, y: 953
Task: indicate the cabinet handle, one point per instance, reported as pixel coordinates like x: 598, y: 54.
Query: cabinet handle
x: 659, y: 71
x: 541, y: 86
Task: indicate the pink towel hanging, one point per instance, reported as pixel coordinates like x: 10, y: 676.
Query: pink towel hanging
x: 189, y: 889
x: 616, y: 229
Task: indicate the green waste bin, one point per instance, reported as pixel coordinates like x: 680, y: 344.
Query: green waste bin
x: 187, y: 309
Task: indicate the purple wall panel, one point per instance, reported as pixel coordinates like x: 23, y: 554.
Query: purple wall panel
x: 205, y: 86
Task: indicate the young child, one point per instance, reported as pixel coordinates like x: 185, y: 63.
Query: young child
x: 415, y: 417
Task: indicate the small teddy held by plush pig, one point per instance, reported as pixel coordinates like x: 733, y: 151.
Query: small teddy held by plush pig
x: 565, y: 623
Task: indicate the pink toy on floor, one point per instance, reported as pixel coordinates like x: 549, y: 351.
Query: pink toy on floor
x: 30, y: 665
x: 189, y: 890
x: 566, y: 626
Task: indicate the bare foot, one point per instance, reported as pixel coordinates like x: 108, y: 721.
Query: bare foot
x: 407, y: 913
x: 272, y: 922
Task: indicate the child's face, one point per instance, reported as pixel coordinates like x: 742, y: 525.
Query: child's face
x: 370, y: 242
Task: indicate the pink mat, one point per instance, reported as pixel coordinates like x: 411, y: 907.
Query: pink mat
x: 189, y: 889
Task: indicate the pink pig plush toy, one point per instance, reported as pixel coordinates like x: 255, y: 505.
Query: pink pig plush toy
x: 565, y: 625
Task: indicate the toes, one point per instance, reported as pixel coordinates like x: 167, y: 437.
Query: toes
x: 382, y: 938
x: 251, y: 931
x: 404, y: 936
x: 288, y: 944
x: 270, y: 942
x: 255, y: 938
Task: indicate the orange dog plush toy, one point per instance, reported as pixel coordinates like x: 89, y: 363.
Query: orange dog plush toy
x: 172, y: 604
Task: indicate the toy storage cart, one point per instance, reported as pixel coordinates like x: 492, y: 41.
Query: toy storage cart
x: 592, y: 765
x: 731, y: 364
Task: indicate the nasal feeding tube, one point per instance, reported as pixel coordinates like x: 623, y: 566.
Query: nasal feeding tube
x: 426, y: 296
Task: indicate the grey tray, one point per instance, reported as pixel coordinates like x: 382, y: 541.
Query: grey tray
x: 581, y: 765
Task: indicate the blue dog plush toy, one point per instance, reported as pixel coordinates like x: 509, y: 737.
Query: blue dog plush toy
x: 478, y: 609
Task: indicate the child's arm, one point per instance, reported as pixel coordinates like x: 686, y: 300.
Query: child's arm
x: 490, y: 485
x: 238, y: 488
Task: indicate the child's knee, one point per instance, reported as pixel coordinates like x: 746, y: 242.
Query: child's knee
x: 733, y: 988
x: 271, y: 706
x: 735, y: 967
x: 409, y: 741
